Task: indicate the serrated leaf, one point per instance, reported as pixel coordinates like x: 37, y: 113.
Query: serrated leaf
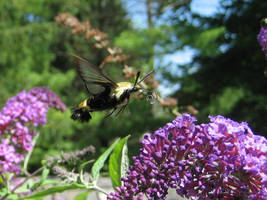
x: 54, y: 190
x: 101, y: 160
x: 82, y: 196
x: 119, y: 162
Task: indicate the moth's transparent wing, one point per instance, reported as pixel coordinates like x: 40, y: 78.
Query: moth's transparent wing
x: 95, y: 81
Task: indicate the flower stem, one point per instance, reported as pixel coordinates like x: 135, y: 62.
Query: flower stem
x: 27, y: 158
x: 23, y: 182
x: 100, y: 190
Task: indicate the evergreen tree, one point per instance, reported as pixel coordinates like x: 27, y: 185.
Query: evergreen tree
x: 226, y: 75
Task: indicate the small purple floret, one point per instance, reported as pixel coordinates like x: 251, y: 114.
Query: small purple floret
x: 262, y: 37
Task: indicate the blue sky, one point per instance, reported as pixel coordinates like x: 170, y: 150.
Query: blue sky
x: 205, y: 7
x: 137, y: 11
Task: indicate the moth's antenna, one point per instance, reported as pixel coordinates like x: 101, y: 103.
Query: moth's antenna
x: 137, y: 76
x: 148, y: 93
x: 147, y: 75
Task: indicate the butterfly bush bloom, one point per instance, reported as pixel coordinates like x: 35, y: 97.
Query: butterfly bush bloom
x: 262, y: 36
x: 17, y: 121
x: 219, y: 160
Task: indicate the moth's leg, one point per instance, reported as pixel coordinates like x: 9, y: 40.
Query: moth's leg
x: 110, y: 113
x: 123, y: 107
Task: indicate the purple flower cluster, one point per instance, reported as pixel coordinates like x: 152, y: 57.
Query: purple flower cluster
x: 219, y: 160
x: 17, y: 121
x: 262, y: 36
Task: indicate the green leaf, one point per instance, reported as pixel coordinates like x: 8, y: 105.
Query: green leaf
x: 206, y: 39
x: 85, y: 163
x: 43, y: 179
x: 119, y: 162
x: 3, y: 191
x: 49, y: 182
x: 124, y: 159
x: 54, y: 190
x: 81, y: 171
x: 45, y: 173
x: 101, y: 160
x: 82, y: 196
x: 2, y: 180
x: 12, y: 197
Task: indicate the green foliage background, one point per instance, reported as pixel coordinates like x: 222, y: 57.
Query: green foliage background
x: 228, y: 77
x: 225, y: 76
x: 36, y: 52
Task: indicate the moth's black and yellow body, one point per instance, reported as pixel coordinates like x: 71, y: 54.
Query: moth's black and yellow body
x: 105, y: 93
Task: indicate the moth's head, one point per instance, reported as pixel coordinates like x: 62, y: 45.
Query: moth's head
x: 137, y: 87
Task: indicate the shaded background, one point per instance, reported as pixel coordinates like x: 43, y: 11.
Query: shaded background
x: 225, y: 74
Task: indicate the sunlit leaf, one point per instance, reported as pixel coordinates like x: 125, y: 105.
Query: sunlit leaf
x: 101, y: 160
x: 119, y: 162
